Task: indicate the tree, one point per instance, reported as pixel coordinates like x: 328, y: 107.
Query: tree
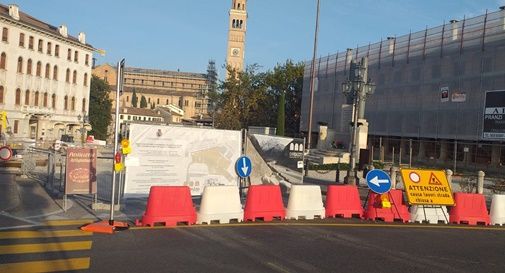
x: 281, y: 114
x: 100, y: 107
x: 135, y: 99
x: 143, y: 102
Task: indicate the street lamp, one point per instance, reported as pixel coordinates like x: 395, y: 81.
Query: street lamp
x: 356, y: 88
x: 83, y: 130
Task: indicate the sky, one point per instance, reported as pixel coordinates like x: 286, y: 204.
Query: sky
x: 185, y: 34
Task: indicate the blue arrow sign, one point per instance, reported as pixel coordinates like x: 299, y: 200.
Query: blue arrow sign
x: 243, y: 166
x: 378, y: 181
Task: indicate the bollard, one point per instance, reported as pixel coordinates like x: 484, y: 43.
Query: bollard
x: 392, y: 172
x: 480, y: 182
x: 448, y: 174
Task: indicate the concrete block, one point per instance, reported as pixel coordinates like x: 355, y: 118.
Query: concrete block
x: 305, y: 202
x: 430, y: 214
x: 220, y: 204
x: 497, y: 211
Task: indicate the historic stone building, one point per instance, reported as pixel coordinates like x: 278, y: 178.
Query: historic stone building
x: 44, y: 77
x: 236, y: 35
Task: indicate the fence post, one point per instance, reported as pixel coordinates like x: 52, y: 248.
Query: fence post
x: 448, y: 174
x: 392, y: 172
x: 480, y: 182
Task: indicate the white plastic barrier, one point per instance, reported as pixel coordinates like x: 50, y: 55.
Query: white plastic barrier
x: 497, y: 212
x: 220, y: 203
x: 305, y: 201
x: 430, y: 214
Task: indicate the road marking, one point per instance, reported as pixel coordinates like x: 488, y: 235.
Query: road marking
x: 23, y: 234
x: 46, y: 266
x: 47, y: 247
x: 56, y: 223
x: 364, y: 225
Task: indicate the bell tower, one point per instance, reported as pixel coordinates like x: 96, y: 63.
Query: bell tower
x: 236, y: 35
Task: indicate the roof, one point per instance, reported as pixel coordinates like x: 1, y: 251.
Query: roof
x: 40, y: 25
x: 160, y: 91
x: 137, y: 111
x: 165, y: 72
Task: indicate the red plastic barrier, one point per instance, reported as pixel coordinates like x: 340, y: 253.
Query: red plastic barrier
x: 168, y: 205
x: 264, y: 202
x: 470, y: 208
x: 343, y: 201
x: 398, y: 211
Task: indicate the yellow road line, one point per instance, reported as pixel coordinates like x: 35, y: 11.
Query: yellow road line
x: 47, y: 247
x: 46, y: 266
x: 23, y: 234
x: 363, y: 225
x: 56, y: 223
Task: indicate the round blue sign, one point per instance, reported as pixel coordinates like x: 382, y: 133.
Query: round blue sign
x: 378, y: 181
x: 243, y: 166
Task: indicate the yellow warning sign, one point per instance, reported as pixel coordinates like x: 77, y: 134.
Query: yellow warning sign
x: 427, y: 187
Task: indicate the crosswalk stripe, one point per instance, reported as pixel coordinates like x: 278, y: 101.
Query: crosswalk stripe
x: 47, y: 247
x: 46, y: 266
x: 23, y: 234
x: 56, y: 223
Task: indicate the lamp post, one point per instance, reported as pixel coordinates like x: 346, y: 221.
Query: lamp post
x: 356, y: 88
x: 84, y: 119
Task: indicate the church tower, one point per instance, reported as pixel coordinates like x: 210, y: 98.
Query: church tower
x: 236, y: 35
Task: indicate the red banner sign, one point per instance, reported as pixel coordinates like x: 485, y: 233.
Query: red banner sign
x: 80, y: 177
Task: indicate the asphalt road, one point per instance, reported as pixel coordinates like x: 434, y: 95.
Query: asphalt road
x: 301, y: 247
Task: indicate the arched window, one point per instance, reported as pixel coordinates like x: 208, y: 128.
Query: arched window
x: 85, y: 79
x: 39, y: 69
x: 67, y: 76
x: 73, y: 104
x: 84, y: 105
x: 53, y: 101
x: 167, y: 101
x: 158, y: 101
x: 1, y: 94
x: 74, y: 78
x: 29, y: 67
x: 240, y: 24
x: 127, y: 98
x: 238, y: 7
x: 27, y: 97
x: 55, y: 73
x: 18, y: 96
x: 3, y: 59
x: 45, y: 99
x: 36, y: 98
x: 65, y: 103
x: 20, y: 65
x: 48, y: 71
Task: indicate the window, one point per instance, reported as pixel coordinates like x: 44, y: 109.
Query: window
x: 167, y: 101
x: 39, y: 69
x: 30, y: 42
x: 67, y: 76
x: 57, y: 50
x: 5, y: 34
x: 27, y: 97
x: 29, y: 67
x: 49, y: 48
x: 84, y: 105
x: 85, y: 79
x: 45, y: 99
x: 69, y: 54
x: 53, y: 101
x: 73, y: 104
x: 186, y: 103
x: 20, y: 65
x: 1, y: 94
x: 55, y: 73
x: 76, y: 56
x: 16, y: 126
x: 65, y: 103
x: 18, y: 96
x: 36, y: 98
x: 86, y: 60
x: 48, y: 71
x: 74, y: 78
x: 3, y: 58
x: 127, y: 98
x: 21, y: 39
x: 40, y: 45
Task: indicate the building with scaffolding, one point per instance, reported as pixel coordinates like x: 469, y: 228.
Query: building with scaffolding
x: 430, y: 94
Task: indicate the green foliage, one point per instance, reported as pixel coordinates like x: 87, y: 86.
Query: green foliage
x: 143, y: 102
x: 100, y: 107
x: 281, y: 118
x: 135, y: 99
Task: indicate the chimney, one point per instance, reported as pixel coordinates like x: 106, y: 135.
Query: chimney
x: 82, y: 37
x: 63, y: 31
x: 454, y: 29
x: 391, y: 47
x: 14, y: 11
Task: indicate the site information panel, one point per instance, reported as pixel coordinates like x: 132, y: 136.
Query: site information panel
x: 427, y: 187
x: 494, y: 115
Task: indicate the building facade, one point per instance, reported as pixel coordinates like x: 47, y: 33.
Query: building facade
x: 184, y: 91
x: 44, y: 77
x: 430, y: 95
x: 236, y: 35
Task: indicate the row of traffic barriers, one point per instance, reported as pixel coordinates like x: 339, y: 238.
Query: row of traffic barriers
x: 172, y: 205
